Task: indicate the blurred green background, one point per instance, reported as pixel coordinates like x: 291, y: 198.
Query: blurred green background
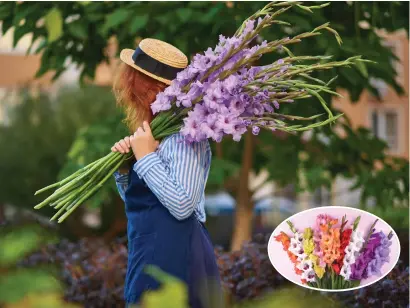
x: 57, y: 113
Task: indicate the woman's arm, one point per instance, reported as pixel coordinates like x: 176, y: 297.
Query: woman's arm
x: 179, y: 183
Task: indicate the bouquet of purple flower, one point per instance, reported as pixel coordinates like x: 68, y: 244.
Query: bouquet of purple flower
x: 223, y: 93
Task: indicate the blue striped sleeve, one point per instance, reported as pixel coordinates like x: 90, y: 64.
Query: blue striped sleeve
x: 178, y: 183
x: 121, y: 180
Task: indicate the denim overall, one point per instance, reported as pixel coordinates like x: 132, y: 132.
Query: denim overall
x: 180, y: 248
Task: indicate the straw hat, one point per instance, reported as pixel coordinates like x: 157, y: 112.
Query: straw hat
x: 157, y: 59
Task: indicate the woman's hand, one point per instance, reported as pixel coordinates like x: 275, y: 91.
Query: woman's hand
x: 122, y: 146
x: 142, y: 142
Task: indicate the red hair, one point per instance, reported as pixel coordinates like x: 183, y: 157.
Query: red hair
x: 135, y: 92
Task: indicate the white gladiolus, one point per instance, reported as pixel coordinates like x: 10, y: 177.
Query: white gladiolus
x: 295, y: 247
x: 297, y: 251
x: 345, y: 271
x: 305, y: 265
x: 348, y: 259
x: 302, y: 256
x: 309, y: 276
x: 298, y: 237
x: 351, y: 253
x: 353, y: 247
x: 357, y: 237
x: 295, y: 243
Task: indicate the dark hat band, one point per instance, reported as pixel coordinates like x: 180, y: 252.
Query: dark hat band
x: 144, y: 61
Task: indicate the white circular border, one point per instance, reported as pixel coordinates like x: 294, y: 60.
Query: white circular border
x: 271, y: 239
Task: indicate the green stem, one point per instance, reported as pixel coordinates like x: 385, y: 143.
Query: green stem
x: 89, y: 193
x: 60, y: 211
x: 67, y: 179
x: 66, y: 198
x: 117, y: 160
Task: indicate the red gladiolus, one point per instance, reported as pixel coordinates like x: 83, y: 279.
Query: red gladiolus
x: 285, y: 240
x: 346, y: 234
x: 298, y: 271
x: 337, y: 267
x: 292, y: 257
x: 344, y: 242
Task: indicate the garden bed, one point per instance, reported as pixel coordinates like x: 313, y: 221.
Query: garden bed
x: 94, y: 271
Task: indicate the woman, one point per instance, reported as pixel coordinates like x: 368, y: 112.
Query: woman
x: 163, y: 189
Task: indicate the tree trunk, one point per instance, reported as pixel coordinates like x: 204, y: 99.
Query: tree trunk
x: 244, y: 205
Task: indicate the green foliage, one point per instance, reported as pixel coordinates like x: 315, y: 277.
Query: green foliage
x: 194, y: 26
x: 173, y: 290
x: 39, y: 134
x: 26, y: 287
x: 19, y: 283
x: 17, y: 244
x: 199, y: 24
x: 91, y: 143
x: 54, y: 24
x: 293, y: 298
x: 397, y: 217
x: 221, y: 170
x: 354, y: 157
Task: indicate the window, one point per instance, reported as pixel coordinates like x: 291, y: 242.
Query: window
x: 380, y: 86
x: 385, y: 125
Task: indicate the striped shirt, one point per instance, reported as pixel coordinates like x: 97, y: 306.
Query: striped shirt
x: 176, y: 173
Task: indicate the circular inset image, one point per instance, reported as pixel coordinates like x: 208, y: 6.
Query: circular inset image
x: 334, y: 248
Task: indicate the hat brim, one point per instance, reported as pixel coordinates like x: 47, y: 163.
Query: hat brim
x: 126, y: 57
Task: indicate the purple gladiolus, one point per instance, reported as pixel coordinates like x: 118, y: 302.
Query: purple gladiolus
x: 359, y: 268
x: 161, y: 103
x: 255, y: 130
x: 220, y: 105
x: 381, y: 256
x: 268, y: 108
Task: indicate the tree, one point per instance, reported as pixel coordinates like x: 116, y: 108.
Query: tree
x: 38, y: 144
x: 81, y: 30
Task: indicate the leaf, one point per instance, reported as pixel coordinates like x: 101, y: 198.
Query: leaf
x: 23, y: 10
x: 171, y: 288
x: 16, y: 244
x: 19, y: 32
x: 116, y: 18
x: 184, y: 14
x: 23, y: 282
x: 5, y: 9
x: 43, y: 44
x: 45, y: 64
x: 362, y: 68
x: 355, y: 283
x: 138, y: 22
x: 210, y: 15
x: 54, y: 24
x: 6, y: 25
x: 78, y: 29
x: 42, y: 300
